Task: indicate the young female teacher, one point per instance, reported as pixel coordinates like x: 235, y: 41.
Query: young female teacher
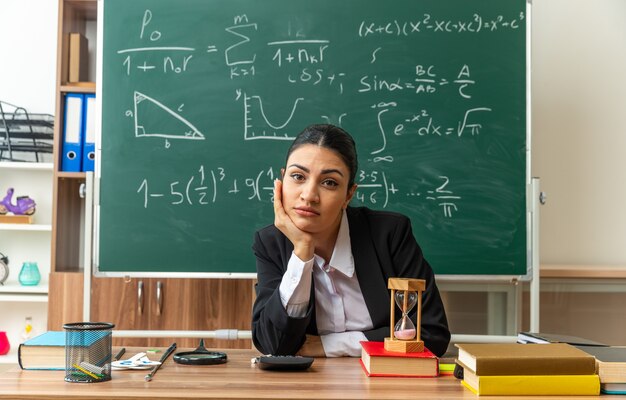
x: 323, y: 266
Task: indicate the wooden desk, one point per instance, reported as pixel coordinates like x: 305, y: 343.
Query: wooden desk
x: 583, y: 278
x: 327, y: 379
x: 583, y: 271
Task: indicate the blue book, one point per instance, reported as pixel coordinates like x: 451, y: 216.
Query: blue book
x: 47, y: 351
x: 613, y: 388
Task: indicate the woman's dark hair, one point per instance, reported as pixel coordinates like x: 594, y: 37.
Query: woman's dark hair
x: 333, y: 138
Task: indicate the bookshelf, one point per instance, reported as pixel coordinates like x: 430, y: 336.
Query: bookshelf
x: 25, y: 242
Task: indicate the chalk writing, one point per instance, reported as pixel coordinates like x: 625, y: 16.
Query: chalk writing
x: 441, y: 195
x: 426, y: 81
x: 475, y: 24
x: 253, y: 111
x: 423, y: 124
x: 210, y: 186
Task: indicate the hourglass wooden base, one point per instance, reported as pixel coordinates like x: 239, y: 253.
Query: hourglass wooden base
x: 404, y: 346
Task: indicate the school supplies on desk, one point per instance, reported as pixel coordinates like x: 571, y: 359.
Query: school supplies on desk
x: 138, y: 361
x: 200, y: 356
x: 376, y: 361
x: 446, y: 368
x: 119, y: 354
x: 283, y: 363
x: 447, y: 362
x: 167, y: 353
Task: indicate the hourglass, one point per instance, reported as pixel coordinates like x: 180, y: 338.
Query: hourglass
x: 404, y: 337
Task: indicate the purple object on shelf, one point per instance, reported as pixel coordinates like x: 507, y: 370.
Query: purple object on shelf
x: 24, y: 205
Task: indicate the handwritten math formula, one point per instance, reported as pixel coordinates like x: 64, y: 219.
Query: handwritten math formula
x: 216, y: 185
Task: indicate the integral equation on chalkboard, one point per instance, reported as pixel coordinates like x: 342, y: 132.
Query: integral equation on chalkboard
x: 206, y: 187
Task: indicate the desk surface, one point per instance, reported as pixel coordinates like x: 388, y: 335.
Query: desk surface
x: 583, y: 271
x: 237, y: 379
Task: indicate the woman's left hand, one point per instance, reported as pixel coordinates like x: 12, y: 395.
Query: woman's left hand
x: 312, y: 347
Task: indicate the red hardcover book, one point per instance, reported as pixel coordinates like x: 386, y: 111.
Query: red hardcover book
x: 376, y: 361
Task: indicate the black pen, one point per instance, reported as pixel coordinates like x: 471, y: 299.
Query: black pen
x: 120, y: 354
x: 169, y: 351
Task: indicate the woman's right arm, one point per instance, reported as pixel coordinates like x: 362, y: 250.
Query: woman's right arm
x: 273, y: 330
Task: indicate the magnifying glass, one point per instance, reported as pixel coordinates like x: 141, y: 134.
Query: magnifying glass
x: 200, y: 356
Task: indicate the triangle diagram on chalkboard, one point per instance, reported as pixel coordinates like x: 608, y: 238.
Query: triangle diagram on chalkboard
x: 153, y: 118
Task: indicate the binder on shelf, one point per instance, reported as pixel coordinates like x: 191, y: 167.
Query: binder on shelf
x: 78, y: 58
x: 89, y: 132
x: 72, y: 131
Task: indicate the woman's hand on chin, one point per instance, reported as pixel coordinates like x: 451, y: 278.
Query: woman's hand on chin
x: 303, y: 246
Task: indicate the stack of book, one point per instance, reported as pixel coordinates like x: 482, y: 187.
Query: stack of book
x: 611, y: 367
x: 508, y: 369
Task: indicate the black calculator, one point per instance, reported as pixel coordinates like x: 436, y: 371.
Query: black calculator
x: 284, y: 363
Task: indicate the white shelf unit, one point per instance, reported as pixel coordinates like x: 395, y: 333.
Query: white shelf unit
x: 25, y: 242
x: 26, y: 227
x: 17, y: 293
x: 26, y: 166
x: 10, y: 358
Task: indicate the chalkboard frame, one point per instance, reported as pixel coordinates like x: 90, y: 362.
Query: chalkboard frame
x: 236, y: 275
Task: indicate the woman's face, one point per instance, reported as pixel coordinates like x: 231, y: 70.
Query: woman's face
x: 315, y: 189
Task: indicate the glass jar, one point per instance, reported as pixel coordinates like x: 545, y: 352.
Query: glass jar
x: 29, y: 275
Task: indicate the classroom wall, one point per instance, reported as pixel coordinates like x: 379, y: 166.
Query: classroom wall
x: 28, y: 33
x: 28, y: 45
x: 579, y: 129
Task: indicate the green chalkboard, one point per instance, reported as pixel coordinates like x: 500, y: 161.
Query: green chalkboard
x: 201, y: 99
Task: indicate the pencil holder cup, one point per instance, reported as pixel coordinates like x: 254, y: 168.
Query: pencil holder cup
x: 88, y: 351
